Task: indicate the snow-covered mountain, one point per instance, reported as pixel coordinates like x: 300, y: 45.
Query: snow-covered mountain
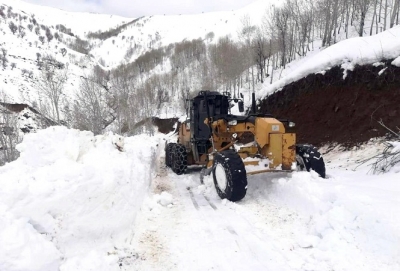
x: 143, y: 33
x: 24, y: 48
x: 81, y: 41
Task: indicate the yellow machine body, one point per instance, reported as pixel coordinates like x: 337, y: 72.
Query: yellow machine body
x: 264, y: 138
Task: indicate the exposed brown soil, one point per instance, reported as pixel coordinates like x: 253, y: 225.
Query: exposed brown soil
x: 164, y: 125
x: 41, y: 120
x: 328, y: 109
x: 16, y: 108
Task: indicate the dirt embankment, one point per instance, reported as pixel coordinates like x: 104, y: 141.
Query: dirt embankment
x: 330, y: 109
x: 164, y: 125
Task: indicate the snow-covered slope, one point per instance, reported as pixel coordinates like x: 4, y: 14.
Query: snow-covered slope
x: 23, y: 48
x: 79, y: 22
x: 156, y: 31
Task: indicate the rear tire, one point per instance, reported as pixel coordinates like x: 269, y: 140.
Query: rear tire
x: 229, y: 175
x: 178, y: 159
x: 309, y: 157
x: 168, y: 154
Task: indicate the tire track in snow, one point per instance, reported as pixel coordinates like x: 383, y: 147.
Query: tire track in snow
x: 195, y: 204
x: 198, y: 238
x: 264, y: 246
x: 235, y: 253
x: 211, y: 204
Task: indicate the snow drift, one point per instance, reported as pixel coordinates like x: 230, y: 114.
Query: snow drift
x: 71, y: 199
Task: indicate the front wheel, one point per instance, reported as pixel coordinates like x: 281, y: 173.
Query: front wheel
x: 229, y: 175
x: 309, y: 158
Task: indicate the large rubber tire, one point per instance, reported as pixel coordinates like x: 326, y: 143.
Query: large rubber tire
x: 168, y: 154
x: 309, y: 158
x: 178, y: 159
x: 229, y: 175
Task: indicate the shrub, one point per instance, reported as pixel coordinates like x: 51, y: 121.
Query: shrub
x: 12, y: 27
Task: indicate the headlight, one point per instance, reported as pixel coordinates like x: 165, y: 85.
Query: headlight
x: 292, y: 124
x: 232, y: 122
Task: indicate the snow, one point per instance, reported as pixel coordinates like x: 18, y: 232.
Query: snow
x: 53, y: 16
x: 73, y: 201
x: 382, y: 71
x: 18, y: 237
x: 162, y: 30
x: 73, y: 196
x: 396, y: 62
x: 396, y: 146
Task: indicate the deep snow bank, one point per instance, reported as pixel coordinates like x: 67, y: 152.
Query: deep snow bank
x: 70, y: 201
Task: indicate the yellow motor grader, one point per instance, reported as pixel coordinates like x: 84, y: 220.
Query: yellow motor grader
x: 225, y: 144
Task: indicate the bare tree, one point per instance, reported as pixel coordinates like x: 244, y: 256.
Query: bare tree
x: 123, y: 82
x: 51, y: 82
x: 373, y: 17
x: 386, y: 14
x: 395, y: 12
x: 246, y: 35
x: 278, y: 26
x: 303, y: 15
x: 260, y: 53
x: 224, y: 56
x: 363, y: 7
x: 93, y: 108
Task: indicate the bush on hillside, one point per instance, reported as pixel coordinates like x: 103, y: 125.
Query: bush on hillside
x: 64, y: 30
x: 81, y: 46
x: 12, y: 27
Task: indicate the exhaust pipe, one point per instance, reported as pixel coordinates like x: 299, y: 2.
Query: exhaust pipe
x: 253, y: 103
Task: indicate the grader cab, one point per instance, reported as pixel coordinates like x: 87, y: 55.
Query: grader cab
x: 232, y: 147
